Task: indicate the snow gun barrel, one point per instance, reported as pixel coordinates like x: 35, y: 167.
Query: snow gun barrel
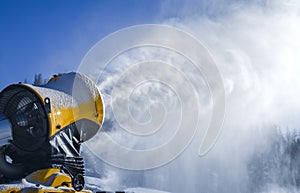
x: 42, y: 127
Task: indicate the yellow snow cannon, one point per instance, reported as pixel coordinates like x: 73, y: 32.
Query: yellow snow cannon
x: 42, y: 128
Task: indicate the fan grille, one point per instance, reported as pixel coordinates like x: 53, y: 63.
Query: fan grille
x: 27, y: 115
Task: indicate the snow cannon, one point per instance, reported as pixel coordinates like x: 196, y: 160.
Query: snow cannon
x: 42, y: 128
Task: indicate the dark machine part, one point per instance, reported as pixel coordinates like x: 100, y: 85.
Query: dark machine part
x: 28, y: 127
x: 5, y: 135
x: 27, y: 116
x: 25, y: 143
x: 66, y: 154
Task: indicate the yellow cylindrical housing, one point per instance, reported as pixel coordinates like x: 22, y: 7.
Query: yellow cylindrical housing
x: 72, y: 98
x: 48, y: 124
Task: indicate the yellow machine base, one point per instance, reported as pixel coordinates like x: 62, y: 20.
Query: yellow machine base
x: 43, y: 181
x: 37, y: 190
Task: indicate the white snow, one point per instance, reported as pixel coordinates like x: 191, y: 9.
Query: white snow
x: 143, y: 190
x: 69, y: 90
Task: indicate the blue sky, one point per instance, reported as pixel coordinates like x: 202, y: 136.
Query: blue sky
x: 51, y: 37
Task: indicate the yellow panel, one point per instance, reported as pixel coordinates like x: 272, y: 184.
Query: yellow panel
x: 91, y: 110
x: 50, y: 177
x: 12, y: 190
x: 45, y: 190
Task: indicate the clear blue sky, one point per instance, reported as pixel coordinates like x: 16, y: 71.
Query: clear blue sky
x: 50, y: 37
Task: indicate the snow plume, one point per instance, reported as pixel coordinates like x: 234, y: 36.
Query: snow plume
x: 256, y: 46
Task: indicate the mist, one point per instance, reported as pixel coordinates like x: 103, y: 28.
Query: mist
x: 256, y: 46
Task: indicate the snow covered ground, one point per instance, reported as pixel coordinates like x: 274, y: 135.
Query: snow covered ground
x: 94, y: 185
